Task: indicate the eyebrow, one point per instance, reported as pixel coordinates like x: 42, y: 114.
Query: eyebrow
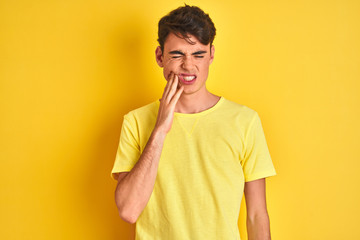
x: 181, y: 53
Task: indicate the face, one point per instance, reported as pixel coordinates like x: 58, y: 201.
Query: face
x: 189, y: 61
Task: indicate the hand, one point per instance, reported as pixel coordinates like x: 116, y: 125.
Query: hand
x: 168, y: 102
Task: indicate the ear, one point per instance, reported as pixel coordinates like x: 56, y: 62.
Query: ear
x: 212, y: 50
x: 159, y: 57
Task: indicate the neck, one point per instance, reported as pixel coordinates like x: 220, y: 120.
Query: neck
x: 196, y: 102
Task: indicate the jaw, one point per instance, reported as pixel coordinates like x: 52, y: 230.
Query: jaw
x: 193, y: 91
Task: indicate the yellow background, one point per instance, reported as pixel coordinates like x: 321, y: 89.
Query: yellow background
x: 70, y: 69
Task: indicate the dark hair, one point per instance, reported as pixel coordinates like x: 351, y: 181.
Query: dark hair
x: 187, y: 20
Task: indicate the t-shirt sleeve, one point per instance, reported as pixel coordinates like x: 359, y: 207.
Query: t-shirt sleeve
x: 257, y: 162
x: 128, y: 151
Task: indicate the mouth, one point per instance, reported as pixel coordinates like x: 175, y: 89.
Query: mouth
x: 187, y: 79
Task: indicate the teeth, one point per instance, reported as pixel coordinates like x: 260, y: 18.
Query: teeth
x: 188, y: 78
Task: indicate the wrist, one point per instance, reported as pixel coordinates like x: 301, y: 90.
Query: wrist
x: 158, y: 133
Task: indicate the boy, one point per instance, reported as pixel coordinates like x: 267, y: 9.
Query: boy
x: 184, y: 161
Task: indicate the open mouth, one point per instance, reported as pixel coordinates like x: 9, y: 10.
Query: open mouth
x: 187, y: 78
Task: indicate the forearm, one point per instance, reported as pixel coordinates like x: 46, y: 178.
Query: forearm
x: 258, y: 227
x: 134, y: 190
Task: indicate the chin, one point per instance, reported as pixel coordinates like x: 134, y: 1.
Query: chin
x: 190, y: 91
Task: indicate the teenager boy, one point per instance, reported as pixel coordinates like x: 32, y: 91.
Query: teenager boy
x: 184, y: 161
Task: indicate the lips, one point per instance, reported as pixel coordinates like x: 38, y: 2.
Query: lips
x: 187, y: 79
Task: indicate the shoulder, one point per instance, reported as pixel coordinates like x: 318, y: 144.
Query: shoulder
x: 144, y: 110
x: 143, y: 114
x: 238, y: 111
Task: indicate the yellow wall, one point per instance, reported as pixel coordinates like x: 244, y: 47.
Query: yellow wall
x: 70, y: 69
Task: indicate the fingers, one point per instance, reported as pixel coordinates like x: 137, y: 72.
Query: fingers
x: 167, y: 86
x: 170, y: 97
x: 172, y: 88
x: 177, y: 96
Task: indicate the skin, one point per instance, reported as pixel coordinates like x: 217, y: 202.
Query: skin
x: 134, y: 188
x: 257, y: 221
x: 181, y: 57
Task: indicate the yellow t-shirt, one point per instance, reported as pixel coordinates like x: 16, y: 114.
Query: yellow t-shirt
x: 206, y: 159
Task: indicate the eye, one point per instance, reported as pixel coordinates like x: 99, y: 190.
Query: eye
x: 176, y: 57
x: 198, y: 56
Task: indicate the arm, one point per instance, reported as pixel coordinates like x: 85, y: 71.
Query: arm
x: 134, y: 188
x: 257, y: 222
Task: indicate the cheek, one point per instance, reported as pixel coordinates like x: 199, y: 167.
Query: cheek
x: 204, y: 66
x: 172, y: 63
x: 170, y: 66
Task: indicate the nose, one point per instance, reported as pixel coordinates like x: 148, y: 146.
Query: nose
x: 187, y: 62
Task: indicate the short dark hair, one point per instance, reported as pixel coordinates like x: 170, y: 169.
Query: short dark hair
x: 187, y: 20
